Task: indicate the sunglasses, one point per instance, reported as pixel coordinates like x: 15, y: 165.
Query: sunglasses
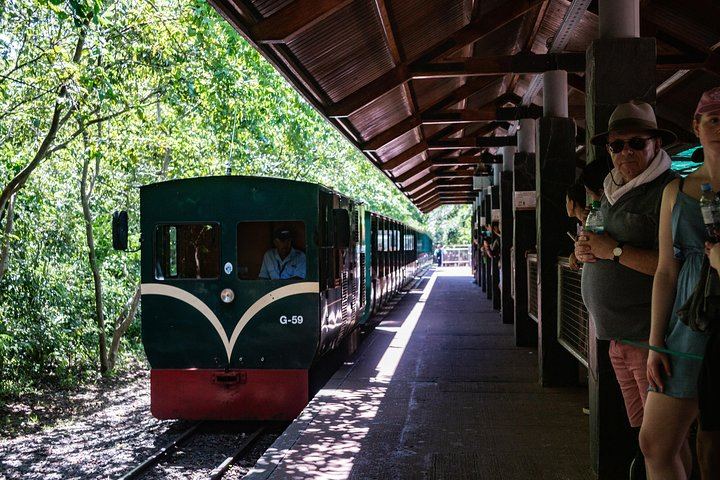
x: 635, y: 143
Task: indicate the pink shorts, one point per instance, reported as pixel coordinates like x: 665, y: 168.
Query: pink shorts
x: 630, y: 365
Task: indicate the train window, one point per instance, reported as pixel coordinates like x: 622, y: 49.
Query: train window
x: 190, y: 250
x: 409, y: 241
x: 383, y: 238
x: 255, y: 239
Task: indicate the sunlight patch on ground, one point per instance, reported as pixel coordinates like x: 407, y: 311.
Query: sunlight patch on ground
x: 389, y: 362
x: 335, y: 423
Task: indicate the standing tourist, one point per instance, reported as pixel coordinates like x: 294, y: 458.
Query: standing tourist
x: 672, y: 405
x: 617, y: 277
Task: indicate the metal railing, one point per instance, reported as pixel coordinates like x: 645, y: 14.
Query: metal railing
x: 573, y: 318
x: 532, y: 286
x: 457, y: 255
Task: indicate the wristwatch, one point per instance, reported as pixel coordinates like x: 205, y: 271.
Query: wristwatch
x: 617, y: 251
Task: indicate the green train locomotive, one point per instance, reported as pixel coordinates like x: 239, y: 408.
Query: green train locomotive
x: 230, y: 325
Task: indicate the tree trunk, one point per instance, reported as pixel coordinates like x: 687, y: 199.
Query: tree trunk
x: 5, y: 240
x: 86, y: 187
x: 123, y: 321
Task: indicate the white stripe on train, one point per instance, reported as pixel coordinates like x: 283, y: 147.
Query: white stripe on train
x: 200, y: 306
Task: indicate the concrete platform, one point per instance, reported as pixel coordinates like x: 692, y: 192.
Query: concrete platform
x: 437, y: 391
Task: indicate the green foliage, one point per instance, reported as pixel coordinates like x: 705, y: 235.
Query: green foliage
x: 160, y: 90
x: 451, y: 224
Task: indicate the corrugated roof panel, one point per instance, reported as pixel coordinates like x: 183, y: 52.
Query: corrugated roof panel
x: 333, y: 60
x: 429, y: 92
x: 270, y: 7
x: 345, y: 51
x: 399, y: 145
x: 423, y: 23
x: 383, y: 113
x: 502, y: 41
x: 671, y: 18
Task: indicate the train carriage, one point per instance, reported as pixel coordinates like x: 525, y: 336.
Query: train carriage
x: 224, y: 343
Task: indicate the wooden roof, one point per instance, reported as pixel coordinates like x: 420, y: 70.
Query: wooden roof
x: 424, y: 87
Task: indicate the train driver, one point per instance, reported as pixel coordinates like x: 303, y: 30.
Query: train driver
x: 283, y: 261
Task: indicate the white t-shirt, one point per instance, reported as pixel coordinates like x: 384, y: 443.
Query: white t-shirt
x: 273, y: 267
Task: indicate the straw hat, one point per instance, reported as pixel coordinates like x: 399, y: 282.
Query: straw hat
x: 634, y: 115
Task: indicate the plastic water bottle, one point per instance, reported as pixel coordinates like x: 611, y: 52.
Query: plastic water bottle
x: 710, y: 209
x: 595, y: 221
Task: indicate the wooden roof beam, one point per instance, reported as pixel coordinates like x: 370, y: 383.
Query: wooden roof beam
x: 470, y: 142
x: 388, y: 30
x: 431, y: 176
x: 472, y: 160
x: 472, y: 86
x: 500, y: 65
x: 420, y: 183
x: 490, y: 113
x: 487, y: 113
x: 712, y: 64
x: 462, y: 93
x: 293, y: 19
x: 429, y: 190
x: 397, y: 130
x: 398, y: 160
x: 576, y: 82
x: 474, y: 31
x: 429, y: 204
x: 454, y: 174
x: 434, y: 190
x: 237, y: 13
x: 419, y: 148
x: 416, y: 170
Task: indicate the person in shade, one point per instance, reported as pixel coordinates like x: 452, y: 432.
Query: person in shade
x: 283, y: 261
x: 592, y: 177
x: 672, y: 405
x: 619, y: 264
x: 575, y: 206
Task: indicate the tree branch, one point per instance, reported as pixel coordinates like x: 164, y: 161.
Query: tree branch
x: 104, y: 118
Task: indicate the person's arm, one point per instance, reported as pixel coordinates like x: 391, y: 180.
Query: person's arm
x: 573, y: 262
x: 712, y: 250
x: 642, y: 260
x: 664, y: 290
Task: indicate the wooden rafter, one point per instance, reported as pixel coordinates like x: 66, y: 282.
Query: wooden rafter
x: 293, y: 19
x: 473, y: 32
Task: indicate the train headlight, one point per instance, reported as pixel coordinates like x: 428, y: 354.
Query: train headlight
x: 227, y: 295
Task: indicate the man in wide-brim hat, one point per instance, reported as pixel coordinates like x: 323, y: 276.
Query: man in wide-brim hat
x: 617, y: 277
x: 633, y: 120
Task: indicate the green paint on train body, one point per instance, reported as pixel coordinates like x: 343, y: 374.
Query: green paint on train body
x: 204, y: 236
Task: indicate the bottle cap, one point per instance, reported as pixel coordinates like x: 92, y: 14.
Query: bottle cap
x: 706, y: 187
x: 596, y: 204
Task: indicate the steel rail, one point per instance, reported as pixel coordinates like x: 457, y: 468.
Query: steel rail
x: 247, y: 443
x: 157, y: 456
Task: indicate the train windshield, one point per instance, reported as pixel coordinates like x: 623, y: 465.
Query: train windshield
x: 187, y: 250
x: 271, y: 250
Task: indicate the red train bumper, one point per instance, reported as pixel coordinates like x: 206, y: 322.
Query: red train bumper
x: 195, y: 394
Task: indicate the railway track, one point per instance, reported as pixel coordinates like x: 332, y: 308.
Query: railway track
x: 208, y: 450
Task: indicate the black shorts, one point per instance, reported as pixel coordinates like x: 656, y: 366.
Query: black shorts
x: 709, y: 384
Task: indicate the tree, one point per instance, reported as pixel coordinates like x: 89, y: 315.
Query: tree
x: 98, y: 98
